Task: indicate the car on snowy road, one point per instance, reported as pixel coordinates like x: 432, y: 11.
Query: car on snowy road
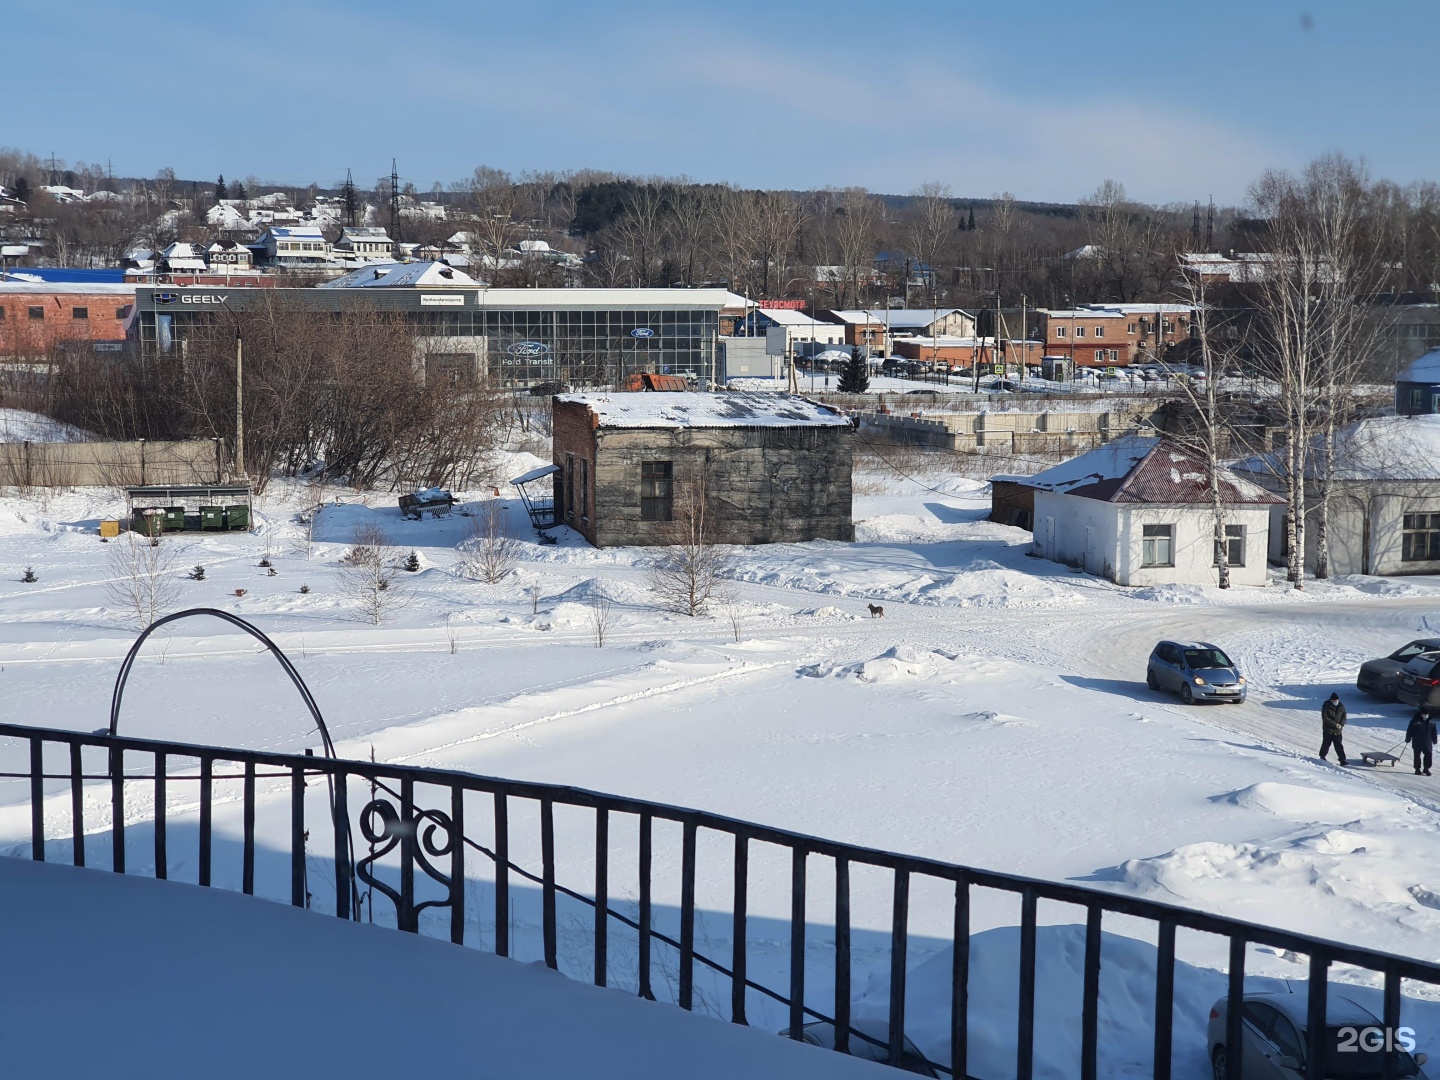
x: 1381, y: 676
x: 1196, y: 670
x: 1420, y: 682
x: 1273, y: 1040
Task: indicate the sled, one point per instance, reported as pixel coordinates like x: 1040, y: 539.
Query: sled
x: 1375, y: 758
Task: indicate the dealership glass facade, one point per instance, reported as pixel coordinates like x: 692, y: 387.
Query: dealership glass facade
x: 581, y: 345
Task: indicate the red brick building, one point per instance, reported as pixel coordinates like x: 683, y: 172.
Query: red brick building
x: 1101, y: 335
x: 34, y: 318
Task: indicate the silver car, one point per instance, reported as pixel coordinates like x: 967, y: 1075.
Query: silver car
x: 1274, y: 1041
x: 1381, y: 676
x: 1196, y: 670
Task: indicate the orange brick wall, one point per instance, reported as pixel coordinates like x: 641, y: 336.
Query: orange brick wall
x: 23, y: 335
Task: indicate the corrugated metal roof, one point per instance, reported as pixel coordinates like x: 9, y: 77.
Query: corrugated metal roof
x: 1144, y: 469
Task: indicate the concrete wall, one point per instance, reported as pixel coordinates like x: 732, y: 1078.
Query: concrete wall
x: 1105, y: 539
x: 769, y: 484
x: 108, y: 464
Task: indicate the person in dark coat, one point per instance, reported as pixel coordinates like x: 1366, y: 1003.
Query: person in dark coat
x: 1422, y: 736
x: 1332, y: 724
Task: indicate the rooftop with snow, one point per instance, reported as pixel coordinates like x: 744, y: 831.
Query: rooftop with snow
x: 700, y: 410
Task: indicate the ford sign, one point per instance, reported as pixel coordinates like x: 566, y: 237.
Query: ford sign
x: 528, y: 348
x: 642, y: 332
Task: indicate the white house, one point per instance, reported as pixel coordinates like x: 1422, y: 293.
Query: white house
x: 366, y: 243
x: 291, y: 245
x: 182, y: 258
x: 1385, y: 496
x: 1138, y: 511
x: 228, y: 256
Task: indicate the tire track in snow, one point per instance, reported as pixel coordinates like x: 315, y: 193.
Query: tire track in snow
x: 594, y: 706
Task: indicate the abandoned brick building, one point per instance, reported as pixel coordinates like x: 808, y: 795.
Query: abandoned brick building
x: 773, y: 468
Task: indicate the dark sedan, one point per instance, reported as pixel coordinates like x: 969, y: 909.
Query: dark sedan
x: 1420, y: 682
x: 1382, y: 677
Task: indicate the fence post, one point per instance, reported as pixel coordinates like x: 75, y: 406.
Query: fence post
x: 547, y: 882
x: 161, y: 858
x: 899, y: 940
x: 207, y: 769
x: 247, y: 873
x: 645, y: 855
x: 1234, y: 1006
x: 960, y: 982
x: 1317, y: 993
x: 738, y: 929
x: 1025, y: 1042
x: 117, y: 810
x: 77, y: 806
x: 602, y: 894
x: 842, y: 954
x: 37, y: 799
x: 297, y: 837
x: 343, y: 884
x: 457, y: 864
x: 502, y: 875
x: 1164, y: 999
x: 797, y: 943
x: 1090, y: 995
x: 687, y: 916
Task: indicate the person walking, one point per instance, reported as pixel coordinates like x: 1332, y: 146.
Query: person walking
x: 1332, y: 724
x: 1422, y: 736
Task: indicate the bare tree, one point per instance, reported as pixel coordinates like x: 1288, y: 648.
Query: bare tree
x: 370, y: 576
x: 687, y: 574
x: 1315, y: 330
x: 856, y: 220
x: 931, y: 228
x: 602, y: 615
x: 490, y: 550
x: 142, y: 580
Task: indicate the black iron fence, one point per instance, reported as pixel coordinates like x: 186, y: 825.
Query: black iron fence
x: 421, y: 839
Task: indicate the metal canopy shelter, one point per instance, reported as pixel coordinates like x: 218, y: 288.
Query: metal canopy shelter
x: 154, y: 509
x: 541, y: 508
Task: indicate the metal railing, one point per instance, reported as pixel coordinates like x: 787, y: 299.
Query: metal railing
x: 419, y: 817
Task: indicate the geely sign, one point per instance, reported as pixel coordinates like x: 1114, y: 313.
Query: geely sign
x: 166, y: 297
x: 528, y: 348
x: 642, y: 332
x: 208, y: 299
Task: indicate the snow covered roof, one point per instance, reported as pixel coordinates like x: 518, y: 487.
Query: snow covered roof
x: 536, y: 474
x: 294, y: 232
x: 416, y: 275
x: 1382, y: 448
x: 1143, y: 469
x: 71, y: 288
x: 788, y: 317
x: 1423, y: 369
x: 686, y: 410
x: 897, y: 318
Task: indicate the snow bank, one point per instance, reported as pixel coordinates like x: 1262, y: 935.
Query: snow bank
x: 242, y: 987
x: 18, y: 425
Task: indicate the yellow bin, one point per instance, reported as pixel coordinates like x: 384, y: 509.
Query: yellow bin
x: 109, y: 528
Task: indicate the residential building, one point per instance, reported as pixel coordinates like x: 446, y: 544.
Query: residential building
x: 1139, y: 511
x: 291, y: 246
x: 229, y: 256
x: 1102, y: 335
x: 790, y: 332
x: 875, y: 327
x: 366, y: 243
x: 1417, y: 386
x: 1384, y: 483
x: 768, y: 468
x: 181, y: 258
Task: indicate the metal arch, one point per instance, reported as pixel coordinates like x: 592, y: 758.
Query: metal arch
x: 253, y: 631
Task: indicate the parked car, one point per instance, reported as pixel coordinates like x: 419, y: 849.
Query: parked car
x: 1381, y: 677
x: 1274, y: 1040
x: 1420, y: 681
x: 1196, y: 670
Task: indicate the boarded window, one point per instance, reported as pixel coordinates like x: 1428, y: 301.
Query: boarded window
x: 1420, y: 538
x: 584, y: 491
x: 657, y: 501
x: 1157, y: 545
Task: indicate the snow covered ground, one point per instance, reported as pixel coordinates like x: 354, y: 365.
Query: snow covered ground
x: 996, y: 716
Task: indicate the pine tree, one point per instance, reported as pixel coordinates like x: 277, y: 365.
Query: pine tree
x: 855, y: 379
x: 221, y: 191
x: 22, y: 189
x: 971, y: 224
x: 239, y: 190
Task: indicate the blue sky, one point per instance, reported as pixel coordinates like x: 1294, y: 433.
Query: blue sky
x: 1045, y: 99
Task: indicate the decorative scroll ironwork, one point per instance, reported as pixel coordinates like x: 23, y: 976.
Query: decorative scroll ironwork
x: 384, y: 828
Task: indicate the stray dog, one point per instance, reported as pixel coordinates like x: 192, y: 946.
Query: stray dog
x: 876, y: 611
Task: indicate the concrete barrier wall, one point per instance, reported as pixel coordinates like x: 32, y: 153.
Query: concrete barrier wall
x: 109, y: 464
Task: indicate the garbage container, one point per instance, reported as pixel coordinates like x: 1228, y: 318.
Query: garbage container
x: 237, y: 517
x: 212, y: 517
x: 148, y: 522
x: 174, y: 519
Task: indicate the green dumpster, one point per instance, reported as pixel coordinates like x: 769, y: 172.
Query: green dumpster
x: 148, y: 522
x: 212, y: 517
x: 237, y: 517
x: 174, y: 519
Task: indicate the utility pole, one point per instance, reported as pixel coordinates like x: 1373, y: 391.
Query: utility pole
x: 395, y: 207
x: 239, y: 403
